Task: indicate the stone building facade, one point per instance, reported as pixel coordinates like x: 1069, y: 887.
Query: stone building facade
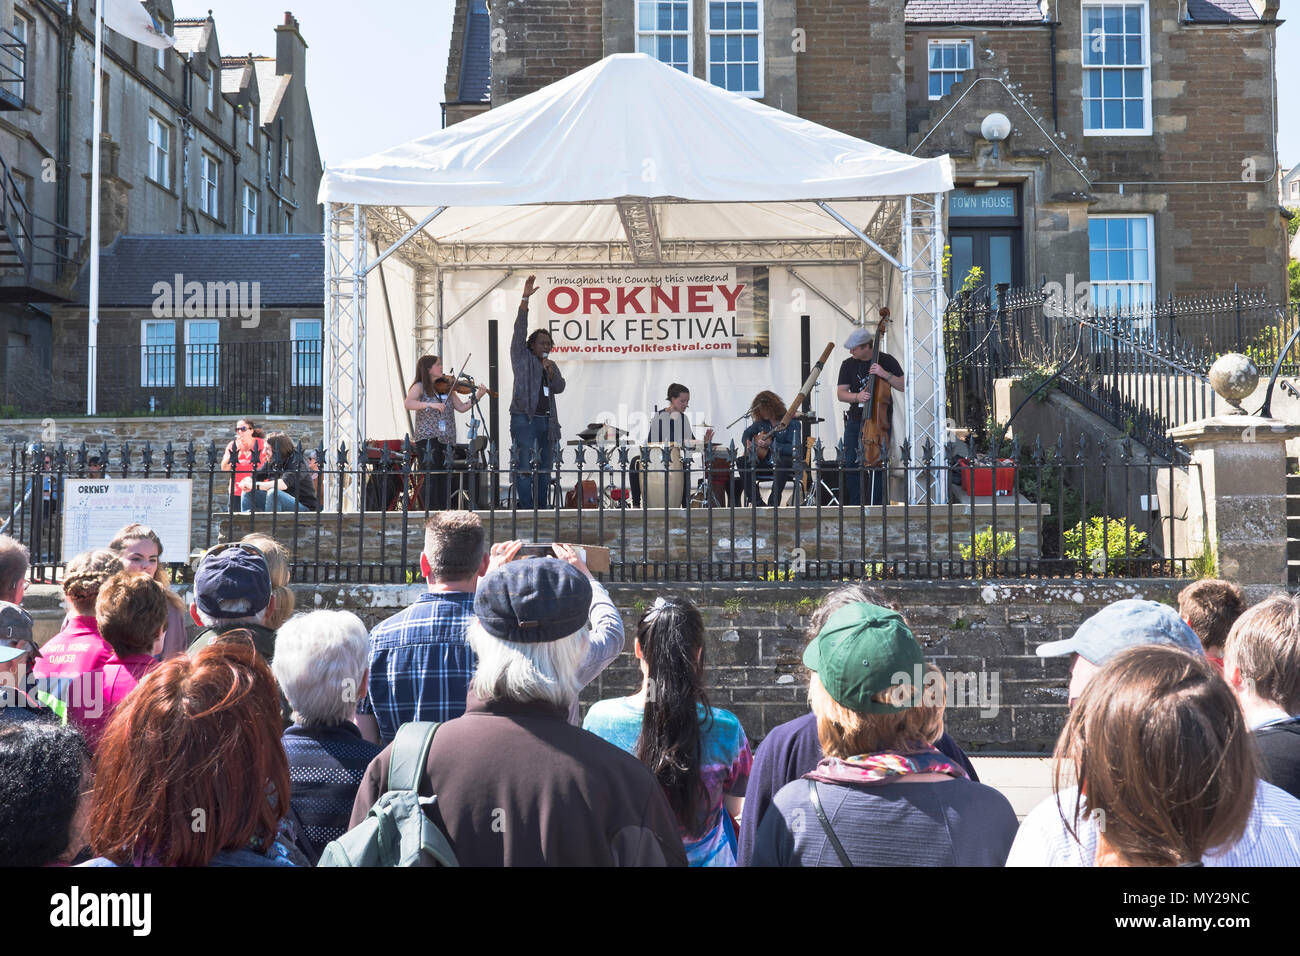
x: 194, y: 142
x: 1140, y: 149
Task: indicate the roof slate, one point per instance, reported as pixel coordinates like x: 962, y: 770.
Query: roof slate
x: 289, y: 268
x: 973, y: 11
x: 1221, y: 11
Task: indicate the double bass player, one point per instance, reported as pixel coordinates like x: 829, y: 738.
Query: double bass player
x: 854, y: 388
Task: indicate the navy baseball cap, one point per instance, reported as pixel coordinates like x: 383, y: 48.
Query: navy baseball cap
x: 533, y: 601
x: 227, y: 573
x: 1125, y: 624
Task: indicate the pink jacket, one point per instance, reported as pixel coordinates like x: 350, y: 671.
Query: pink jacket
x: 120, y: 676
x: 70, y: 668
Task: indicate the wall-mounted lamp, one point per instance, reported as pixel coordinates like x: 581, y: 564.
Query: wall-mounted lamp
x: 995, y: 128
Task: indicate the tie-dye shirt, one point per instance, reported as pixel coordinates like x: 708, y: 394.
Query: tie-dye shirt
x: 725, y: 760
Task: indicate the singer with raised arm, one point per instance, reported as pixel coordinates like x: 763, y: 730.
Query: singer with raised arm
x: 533, y: 423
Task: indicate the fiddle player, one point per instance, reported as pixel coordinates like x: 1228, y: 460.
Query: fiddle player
x: 855, y: 389
x: 435, y: 425
x: 533, y: 422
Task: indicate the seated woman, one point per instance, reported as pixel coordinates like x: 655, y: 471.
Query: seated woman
x: 190, y: 771
x: 282, y: 484
x: 882, y: 795
x: 1162, y: 751
x: 698, y: 753
x: 243, y: 456
x: 669, y: 426
x: 321, y: 665
x: 769, y: 453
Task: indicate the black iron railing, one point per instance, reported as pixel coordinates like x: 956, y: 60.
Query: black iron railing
x: 1142, y: 368
x: 1024, y: 512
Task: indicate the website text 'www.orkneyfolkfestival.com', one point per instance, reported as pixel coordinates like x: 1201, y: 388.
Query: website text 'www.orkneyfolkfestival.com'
x: 636, y: 349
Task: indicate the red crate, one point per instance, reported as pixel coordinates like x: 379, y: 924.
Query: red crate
x: 977, y: 480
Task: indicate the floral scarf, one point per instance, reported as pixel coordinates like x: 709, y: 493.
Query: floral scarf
x: 881, y: 767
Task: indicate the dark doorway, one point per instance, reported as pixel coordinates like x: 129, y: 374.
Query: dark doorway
x: 984, y: 232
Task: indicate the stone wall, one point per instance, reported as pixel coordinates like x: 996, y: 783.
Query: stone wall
x: 850, y: 77
x: 982, y: 634
x: 892, y: 533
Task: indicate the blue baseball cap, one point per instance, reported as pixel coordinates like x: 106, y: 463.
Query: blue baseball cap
x: 227, y: 573
x: 533, y: 601
x: 1125, y: 624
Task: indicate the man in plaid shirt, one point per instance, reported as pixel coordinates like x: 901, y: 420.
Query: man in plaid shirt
x: 420, y: 662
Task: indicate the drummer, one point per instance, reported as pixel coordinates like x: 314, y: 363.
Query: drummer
x: 669, y: 425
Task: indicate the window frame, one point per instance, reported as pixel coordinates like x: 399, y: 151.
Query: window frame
x: 955, y: 42
x: 316, y: 374
x: 213, y: 79
x: 146, y: 354
x: 1150, y: 282
x: 161, y: 147
x: 209, y: 189
x: 209, y: 377
x: 27, y: 39
x: 247, y: 209
x: 757, y: 32
x: 1086, y: 69
x: 638, y: 32
x: 286, y: 167
x: 252, y: 126
x: 160, y: 53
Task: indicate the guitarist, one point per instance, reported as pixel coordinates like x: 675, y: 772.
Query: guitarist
x: 855, y: 389
x: 769, y: 452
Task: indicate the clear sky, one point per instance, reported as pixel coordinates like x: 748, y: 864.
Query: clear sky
x: 376, y: 79
x: 375, y: 69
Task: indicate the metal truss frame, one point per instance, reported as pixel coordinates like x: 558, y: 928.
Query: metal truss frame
x: 911, y: 226
x: 345, y: 337
x: 924, y: 398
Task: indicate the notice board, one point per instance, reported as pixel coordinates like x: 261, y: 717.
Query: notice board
x: 95, y: 509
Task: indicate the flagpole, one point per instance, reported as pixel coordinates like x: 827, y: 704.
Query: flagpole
x: 98, y: 121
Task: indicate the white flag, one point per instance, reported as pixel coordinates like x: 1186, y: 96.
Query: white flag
x: 132, y: 20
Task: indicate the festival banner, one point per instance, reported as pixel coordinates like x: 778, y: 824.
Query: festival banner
x: 654, y: 313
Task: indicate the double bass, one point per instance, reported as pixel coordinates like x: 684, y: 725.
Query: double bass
x: 876, y: 417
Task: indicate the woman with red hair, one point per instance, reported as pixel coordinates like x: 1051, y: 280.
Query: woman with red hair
x: 190, y: 771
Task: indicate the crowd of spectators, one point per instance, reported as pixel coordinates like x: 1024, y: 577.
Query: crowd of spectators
x: 278, y: 733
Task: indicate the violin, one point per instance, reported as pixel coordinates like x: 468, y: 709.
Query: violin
x: 876, y: 420
x: 444, y: 385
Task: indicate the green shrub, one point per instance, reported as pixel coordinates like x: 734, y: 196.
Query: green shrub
x: 1101, y: 546
x: 982, y: 547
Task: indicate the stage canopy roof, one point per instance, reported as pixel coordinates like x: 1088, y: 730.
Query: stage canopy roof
x: 579, y: 161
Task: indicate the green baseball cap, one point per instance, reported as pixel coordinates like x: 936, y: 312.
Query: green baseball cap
x: 861, y: 650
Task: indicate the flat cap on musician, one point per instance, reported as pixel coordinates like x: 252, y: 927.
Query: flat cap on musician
x: 533, y: 601
x: 857, y: 337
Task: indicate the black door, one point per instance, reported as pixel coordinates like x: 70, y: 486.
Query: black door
x: 995, y: 252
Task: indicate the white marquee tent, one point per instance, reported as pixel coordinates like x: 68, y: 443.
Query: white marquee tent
x: 630, y: 165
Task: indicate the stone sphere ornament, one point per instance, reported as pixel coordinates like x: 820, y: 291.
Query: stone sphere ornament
x: 1233, y: 377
